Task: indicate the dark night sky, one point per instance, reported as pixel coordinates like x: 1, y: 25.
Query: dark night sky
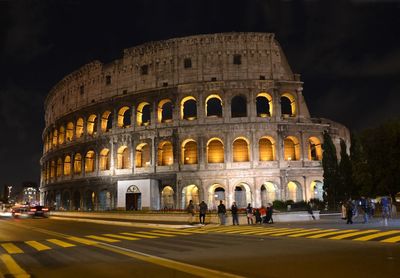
x: 348, y: 53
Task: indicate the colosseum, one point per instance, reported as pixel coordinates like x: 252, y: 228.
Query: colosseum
x: 206, y: 117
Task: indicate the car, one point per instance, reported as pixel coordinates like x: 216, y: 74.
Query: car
x: 38, y: 211
x: 20, y: 211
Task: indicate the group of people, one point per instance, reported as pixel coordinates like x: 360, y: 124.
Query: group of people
x: 257, y: 215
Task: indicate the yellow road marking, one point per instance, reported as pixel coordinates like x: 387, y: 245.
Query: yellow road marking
x: 11, y: 248
x: 37, y: 245
x: 105, y: 239
x: 331, y: 233
x: 277, y: 230
x: 310, y: 233
x: 365, y: 238
x: 139, y: 235
x: 353, y: 234
x: 392, y: 239
x: 60, y: 242
x: 155, y: 234
x: 249, y: 232
x: 292, y: 232
x: 121, y: 237
x: 171, y: 232
x: 13, y: 267
x: 83, y: 240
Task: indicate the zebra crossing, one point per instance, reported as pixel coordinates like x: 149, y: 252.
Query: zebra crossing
x: 389, y: 236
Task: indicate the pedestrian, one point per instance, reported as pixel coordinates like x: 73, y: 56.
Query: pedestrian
x: 343, y: 208
x: 270, y: 210
x: 235, y: 216
x: 365, y: 209
x: 249, y: 214
x: 203, y: 210
x: 190, y: 211
x: 385, y: 204
x: 263, y: 214
x: 221, y: 212
x: 257, y: 215
x: 310, y: 211
x: 349, y: 212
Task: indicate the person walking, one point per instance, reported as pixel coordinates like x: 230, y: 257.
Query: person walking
x: 234, y: 211
x: 257, y: 215
x: 190, y: 211
x: 263, y: 214
x: 249, y: 214
x: 221, y: 212
x: 385, y: 204
x: 270, y: 211
x: 343, y: 207
x: 203, y: 210
x: 349, y: 212
x: 365, y: 209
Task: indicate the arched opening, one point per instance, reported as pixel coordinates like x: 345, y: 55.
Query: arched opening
x: 216, y: 193
x: 104, y: 162
x: 214, y: 106
x: 52, y: 169
x: 123, y: 158
x: 67, y: 165
x: 106, y: 121
x: 291, y: 148
x: 92, y: 125
x: 189, y: 152
x: 268, y: 193
x: 264, y: 105
x: 288, y: 105
x: 215, y: 151
x: 55, y: 137
x: 90, y: 200
x: 89, y: 161
x: 190, y: 192
x: 79, y: 128
x: 59, y: 170
x: 104, y: 200
x: 167, y: 198
x: 61, y: 135
x: 133, y: 198
x: 142, y: 155
x: 317, y: 190
x: 165, y: 154
x: 314, y: 149
x: 188, y: 108
x: 165, y: 111
x: 77, y: 163
x: 70, y: 132
x: 294, y: 192
x: 242, y: 195
x: 240, y: 150
x: 65, y: 200
x: 77, y: 200
x: 239, y: 107
x: 58, y: 203
x: 124, y: 117
x: 266, y: 149
x: 143, y: 114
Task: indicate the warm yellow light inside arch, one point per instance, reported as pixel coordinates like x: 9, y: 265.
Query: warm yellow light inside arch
x: 70, y: 131
x: 104, y: 162
x: 240, y: 150
x: 139, y: 113
x: 160, y: 109
x: 79, y: 128
x: 142, y: 156
x: 215, y: 150
x: 266, y: 148
x: 123, y: 157
x: 314, y: 141
x: 183, y: 104
x: 292, y: 102
x: 292, y: 191
x: 291, y: 148
x: 67, y: 165
x: 121, y: 113
x: 269, y: 98
x: 189, y: 151
x: 61, y: 135
x: 77, y: 163
x: 104, y: 120
x: 89, y: 162
x: 165, y: 153
x: 91, y: 122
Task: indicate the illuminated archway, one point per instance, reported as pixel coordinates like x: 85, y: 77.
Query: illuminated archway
x: 294, y: 191
x: 288, y: 105
x: 55, y: 137
x: 142, y: 155
x: 216, y: 193
x: 240, y: 150
x: 190, y: 192
x: 67, y: 165
x: 165, y: 111
x: 106, y: 121
x: 124, y: 117
x: 215, y: 151
x: 59, y: 170
x: 89, y: 162
x: 61, y: 135
x: 239, y: 106
x: 77, y: 163
x: 91, y: 125
x: 104, y: 162
x: 79, y: 128
x: 213, y: 106
x: 167, y: 198
x: 317, y: 190
x: 52, y: 169
x: 314, y: 149
x: 188, y: 108
x: 268, y: 193
x: 291, y: 148
x: 189, y: 152
x: 266, y: 149
x: 123, y: 158
x: 242, y: 195
x: 165, y: 154
x: 70, y: 131
x: 143, y: 114
x: 264, y: 105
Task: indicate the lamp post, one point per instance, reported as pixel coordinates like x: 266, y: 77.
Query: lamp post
x: 9, y: 192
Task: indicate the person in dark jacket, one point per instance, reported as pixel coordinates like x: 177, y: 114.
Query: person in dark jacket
x: 202, y: 212
x: 235, y: 216
x: 270, y: 210
x: 257, y: 215
x: 349, y: 212
x: 221, y: 212
x: 249, y: 214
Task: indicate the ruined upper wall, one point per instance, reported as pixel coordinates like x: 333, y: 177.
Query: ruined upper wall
x: 211, y: 60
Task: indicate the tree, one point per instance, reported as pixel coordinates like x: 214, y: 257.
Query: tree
x: 330, y: 166
x: 345, y: 189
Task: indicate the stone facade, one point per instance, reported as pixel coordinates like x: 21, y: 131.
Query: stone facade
x: 207, y: 117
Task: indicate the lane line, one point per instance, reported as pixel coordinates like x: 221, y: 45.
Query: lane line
x: 171, y: 233
x: 37, y: 245
x: 292, y: 232
x: 13, y: 267
x: 281, y: 230
x: 60, y: 243
x: 155, y: 234
x: 121, y: 237
x: 105, y: 239
x: 353, y: 234
x: 11, y: 248
x: 311, y: 233
x: 139, y: 235
x: 366, y: 238
x: 331, y: 233
x: 82, y: 240
x: 392, y: 239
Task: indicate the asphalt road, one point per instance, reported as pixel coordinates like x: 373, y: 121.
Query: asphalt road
x: 59, y: 248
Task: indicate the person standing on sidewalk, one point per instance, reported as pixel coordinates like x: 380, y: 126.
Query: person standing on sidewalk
x: 385, y: 204
x: 349, y: 212
x: 203, y: 210
x: 249, y: 214
x: 235, y: 217
x: 190, y: 211
x: 221, y: 212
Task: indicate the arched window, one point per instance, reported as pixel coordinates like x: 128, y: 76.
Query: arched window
x: 189, y: 108
x: 264, y: 105
x: 268, y: 193
x: 165, y: 154
x: 106, y: 121
x: 215, y: 151
x: 123, y: 158
x: 214, y: 106
x: 92, y: 125
x: 164, y: 113
x: 314, y: 149
x: 189, y: 152
x: 89, y: 162
x: 61, y: 135
x: 52, y: 169
x: 59, y: 170
x: 79, y: 128
x: 294, y: 191
x: 240, y: 150
x: 167, y: 198
x: 143, y: 115
x: 142, y: 155
x: 67, y: 165
x: 291, y: 148
x: 70, y: 132
x: 266, y: 149
x: 104, y: 160
x: 55, y: 137
x: 239, y: 107
x: 124, y: 117
x: 288, y: 105
x: 77, y: 163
